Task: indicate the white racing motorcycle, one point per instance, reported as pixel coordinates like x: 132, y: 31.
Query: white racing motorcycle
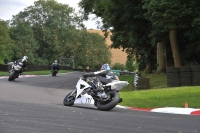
x: 91, y: 91
x: 15, y: 71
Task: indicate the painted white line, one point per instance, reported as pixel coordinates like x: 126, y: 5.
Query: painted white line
x: 170, y: 110
x: 175, y: 110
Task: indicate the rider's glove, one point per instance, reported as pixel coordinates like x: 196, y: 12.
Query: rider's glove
x: 85, y: 75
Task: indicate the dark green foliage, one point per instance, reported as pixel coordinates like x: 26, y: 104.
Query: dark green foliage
x: 138, y: 25
x: 5, y: 43
x: 92, y: 52
x: 52, y: 24
x: 182, y: 15
x: 118, y: 66
x: 130, y: 63
x: 49, y: 30
x: 129, y: 27
x: 24, y: 42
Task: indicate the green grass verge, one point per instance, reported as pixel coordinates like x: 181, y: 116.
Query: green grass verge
x: 159, y: 95
x: 168, y: 97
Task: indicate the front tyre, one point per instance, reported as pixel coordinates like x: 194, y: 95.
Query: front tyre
x: 110, y: 103
x: 69, y: 99
x: 12, y: 76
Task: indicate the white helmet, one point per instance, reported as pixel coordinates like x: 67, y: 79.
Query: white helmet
x: 25, y: 58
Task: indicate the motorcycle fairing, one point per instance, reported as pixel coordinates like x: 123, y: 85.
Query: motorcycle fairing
x: 17, y: 67
x: 117, y: 85
x: 84, y: 99
x: 78, y: 87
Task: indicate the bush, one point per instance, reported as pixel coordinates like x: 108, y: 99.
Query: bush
x: 118, y: 66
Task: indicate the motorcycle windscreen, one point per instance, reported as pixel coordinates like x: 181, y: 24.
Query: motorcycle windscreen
x: 84, y: 99
x: 117, y: 85
x: 10, y: 63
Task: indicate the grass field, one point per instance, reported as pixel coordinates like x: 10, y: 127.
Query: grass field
x: 159, y: 95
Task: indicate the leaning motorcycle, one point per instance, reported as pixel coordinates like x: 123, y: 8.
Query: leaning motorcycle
x: 15, y: 71
x: 90, y: 91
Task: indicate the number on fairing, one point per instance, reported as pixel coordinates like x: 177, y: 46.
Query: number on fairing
x: 88, y: 100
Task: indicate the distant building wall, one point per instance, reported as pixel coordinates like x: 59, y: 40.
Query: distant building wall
x: 118, y: 56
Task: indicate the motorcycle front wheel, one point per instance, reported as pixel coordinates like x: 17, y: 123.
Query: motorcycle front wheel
x: 113, y: 100
x: 12, y: 76
x: 69, y: 99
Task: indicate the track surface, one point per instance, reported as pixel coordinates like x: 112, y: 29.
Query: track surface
x: 34, y: 105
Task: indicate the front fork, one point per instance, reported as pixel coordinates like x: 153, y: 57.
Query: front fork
x: 73, y: 92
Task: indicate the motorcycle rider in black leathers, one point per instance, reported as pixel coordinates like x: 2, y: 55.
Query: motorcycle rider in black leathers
x: 104, y: 75
x: 23, y: 63
x: 55, y: 65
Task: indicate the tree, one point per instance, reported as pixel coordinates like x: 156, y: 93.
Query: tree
x: 130, y: 63
x: 170, y: 16
x: 129, y: 27
x: 137, y: 26
x: 5, y: 42
x: 161, y: 57
x: 24, y: 42
x: 93, y: 51
x: 52, y: 24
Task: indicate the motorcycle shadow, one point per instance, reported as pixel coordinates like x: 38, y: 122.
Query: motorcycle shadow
x: 16, y: 81
x: 91, y: 107
x: 81, y: 106
x: 85, y: 107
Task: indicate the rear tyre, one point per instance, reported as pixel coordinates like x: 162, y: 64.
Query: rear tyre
x: 53, y: 74
x: 110, y: 103
x: 69, y: 99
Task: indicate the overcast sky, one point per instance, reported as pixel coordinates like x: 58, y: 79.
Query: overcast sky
x: 13, y: 7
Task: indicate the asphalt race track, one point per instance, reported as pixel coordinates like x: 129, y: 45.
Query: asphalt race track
x: 35, y: 105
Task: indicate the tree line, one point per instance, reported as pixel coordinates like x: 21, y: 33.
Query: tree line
x: 154, y: 33
x: 48, y: 30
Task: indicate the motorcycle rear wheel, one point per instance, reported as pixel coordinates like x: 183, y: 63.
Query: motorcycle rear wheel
x: 54, y: 73
x: 69, y: 99
x: 110, y: 103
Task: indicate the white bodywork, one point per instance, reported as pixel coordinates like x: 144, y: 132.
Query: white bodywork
x: 17, y: 68
x: 84, y: 98
x: 117, y: 85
